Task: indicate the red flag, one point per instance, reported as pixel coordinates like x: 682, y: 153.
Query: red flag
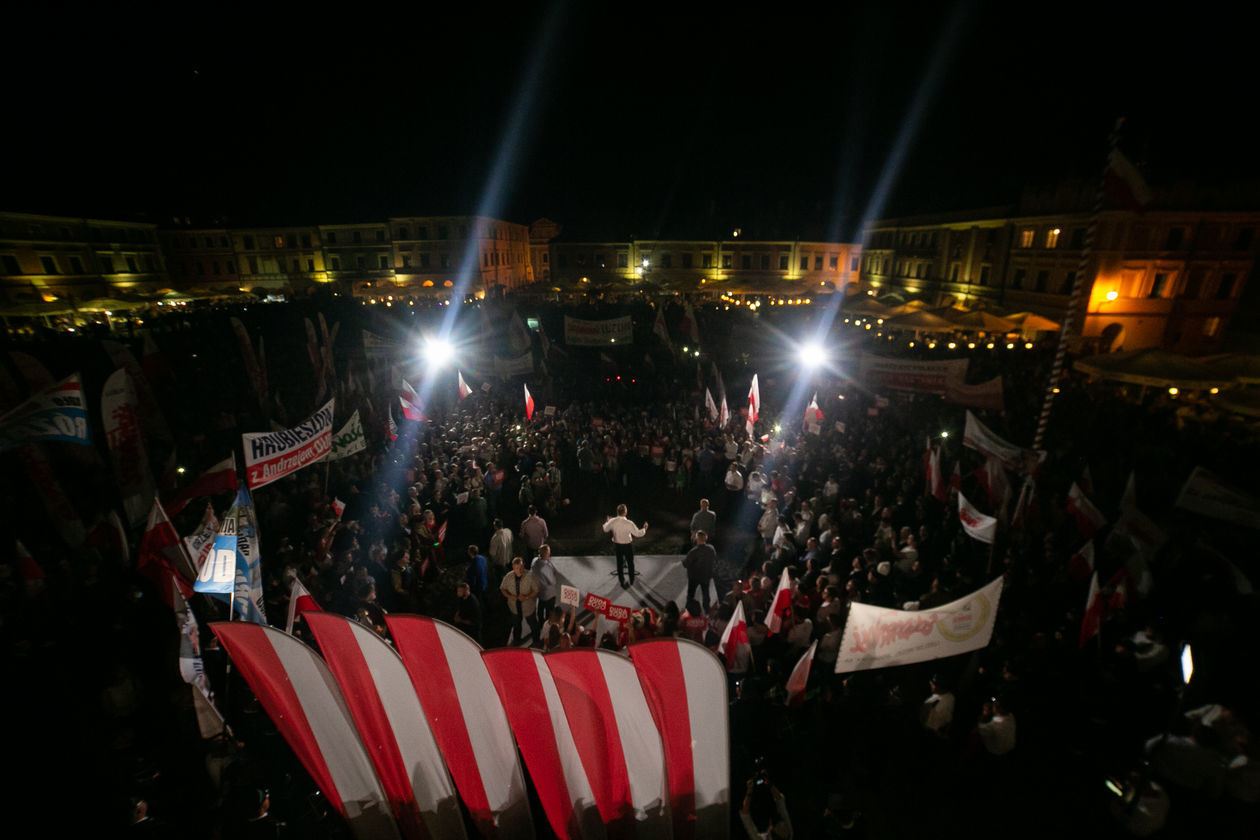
x: 529, y: 404
x: 391, y: 722
x: 724, y: 415
x: 975, y: 523
x: 162, y: 556
x: 781, y: 604
x: 464, y: 390
x: 955, y: 478
x: 297, y: 690
x: 218, y: 479
x: 754, y: 401
x: 300, y: 601
x: 393, y: 428
x: 710, y: 405
x: 338, y: 506
x: 27, y: 565
x: 1094, y: 604
x: 937, y: 481
x: 467, y: 720
x: 799, y: 677
x: 532, y: 701
x: 735, y: 634
x: 685, y: 687
x: 1088, y: 518
x: 1124, y: 183
x: 1081, y: 564
x: 413, y: 409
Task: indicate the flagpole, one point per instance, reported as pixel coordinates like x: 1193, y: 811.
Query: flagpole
x: 1078, y: 287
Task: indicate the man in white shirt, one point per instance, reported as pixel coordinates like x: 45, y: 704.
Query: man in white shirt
x: 548, y: 588
x: 997, y: 728
x: 501, y: 546
x: 623, y: 532
x: 937, y: 712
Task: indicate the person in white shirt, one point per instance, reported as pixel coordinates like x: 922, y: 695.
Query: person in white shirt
x: 501, y: 546
x: 623, y: 532
x: 937, y: 712
x: 997, y: 728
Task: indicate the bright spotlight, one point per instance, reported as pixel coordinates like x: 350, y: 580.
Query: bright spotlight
x: 438, y: 351
x: 813, y: 355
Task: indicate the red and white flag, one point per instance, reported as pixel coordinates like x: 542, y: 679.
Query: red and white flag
x: 781, y: 604
x: 162, y: 556
x: 1088, y: 518
x: 995, y: 482
x: 297, y: 691
x: 754, y: 401
x: 412, y: 408
x: 710, y: 405
x: 393, y: 427
x: 685, y: 686
x: 799, y: 678
x: 201, y: 542
x: 1091, y: 622
x: 529, y: 404
x: 724, y: 415
x: 1081, y: 564
x: 534, y: 710
x: 300, y: 601
x: 735, y: 634
x: 29, y: 569
x: 955, y: 478
x: 616, y: 739
x: 124, y: 432
x: 218, y: 479
x: 468, y: 722
x: 1135, y: 524
x: 191, y: 668
x: 975, y: 523
x: 936, y: 482
x: 391, y: 723
x: 464, y: 390
x: 1124, y: 183
x: 338, y: 506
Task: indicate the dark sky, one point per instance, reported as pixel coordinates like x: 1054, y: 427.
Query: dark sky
x: 615, y: 120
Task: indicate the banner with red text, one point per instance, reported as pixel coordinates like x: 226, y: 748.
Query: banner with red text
x: 879, y: 373
x: 986, y: 395
x: 273, y: 455
x: 598, y: 333
x: 875, y: 637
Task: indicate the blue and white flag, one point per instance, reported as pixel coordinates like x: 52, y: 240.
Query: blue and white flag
x: 56, y: 413
x: 247, y: 602
x: 217, y: 575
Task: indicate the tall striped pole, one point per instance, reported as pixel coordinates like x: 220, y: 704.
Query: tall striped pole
x: 1079, y: 288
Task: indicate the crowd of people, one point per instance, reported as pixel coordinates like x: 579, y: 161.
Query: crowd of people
x: 476, y: 496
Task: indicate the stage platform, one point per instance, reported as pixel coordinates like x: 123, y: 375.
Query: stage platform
x: 661, y: 578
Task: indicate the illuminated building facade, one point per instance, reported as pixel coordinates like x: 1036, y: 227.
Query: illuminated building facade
x: 430, y: 252
x: 200, y: 257
x: 358, y: 257
x: 1163, y: 278
x: 55, y: 257
x: 279, y: 259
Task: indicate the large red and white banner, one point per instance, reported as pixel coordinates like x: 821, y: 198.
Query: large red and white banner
x: 536, y: 714
x: 468, y: 722
x: 579, y: 332
x: 273, y: 455
x: 685, y: 687
x: 616, y: 739
x: 978, y: 437
x: 875, y: 637
x: 391, y: 723
x: 162, y: 556
x: 880, y: 373
x: 297, y: 690
x: 986, y: 395
x: 975, y: 523
x: 120, y: 415
x: 218, y: 479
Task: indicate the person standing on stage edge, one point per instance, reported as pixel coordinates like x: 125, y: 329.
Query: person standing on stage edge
x: 623, y: 531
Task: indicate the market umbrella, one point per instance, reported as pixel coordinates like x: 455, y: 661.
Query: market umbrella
x: 1151, y: 366
x: 1245, y: 401
x: 1031, y: 322
x: 918, y: 321
x: 1239, y: 367
x: 979, y: 320
x: 110, y: 305
x: 908, y: 307
x: 865, y: 305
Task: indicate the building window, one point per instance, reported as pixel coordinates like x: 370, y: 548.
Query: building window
x: 380, y: 236
x: 336, y: 263
x: 49, y: 264
x: 424, y: 260
x: 623, y: 259
x: 1043, y: 280
x: 805, y: 263
x: 214, y: 268
x: 1175, y: 237
x: 406, y: 259
x: 1244, y: 239
x: 291, y: 240
x: 76, y: 265
x: 1211, y: 326
x: 1078, y: 239
x: 1017, y: 279
x: 402, y: 233
x: 107, y: 265
x: 297, y: 265
x: 382, y: 261
x: 1225, y: 290
x: 422, y: 232
x: 818, y: 262
x: 1052, y: 238
x: 201, y: 267
x: 600, y: 262
x: 485, y: 260
x: 361, y: 262
x: 253, y: 265
x: 783, y: 262
x: 953, y: 273
x: 1193, y: 286
x: 1158, y: 285
x: 833, y: 262
x: 984, y: 275
x: 11, y: 264
x: 1026, y: 237
x: 131, y: 265
x: 310, y: 265
x: 463, y: 231
x: 223, y: 242
x: 445, y: 261
x: 249, y: 243
x: 231, y: 267
x: 726, y: 261
x: 441, y: 231
x: 745, y: 261
x: 1069, y: 280
x: 765, y: 262
x: 358, y: 237
x: 853, y: 264
x: 706, y: 261
x: 686, y: 260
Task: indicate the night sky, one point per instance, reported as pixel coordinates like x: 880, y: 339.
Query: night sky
x: 616, y: 120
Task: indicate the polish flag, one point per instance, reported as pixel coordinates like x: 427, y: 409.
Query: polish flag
x: 754, y: 401
x: 975, y: 523
x: 711, y: 405
x: 724, y: 415
x: 338, y: 506
x: 391, y: 723
x: 218, y: 479
x: 735, y: 634
x: 799, y: 677
x: 1081, y: 564
x: 29, y: 569
x: 529, y: 404
x: 616, y: 739
x: 781, y: 603
x: 412, y: 408
x: 300, y: 601
x: 532, y: 701
x: 162, y: 553
x: 813, y: 414
x: 1124, y: 183
x: 685, y: 687
x: 468, y: 722
x: 1091, y: 622
x: 393, y: 427
x: 1088, y: 518
x: 936, y: 481
x: 464, y: 390
x: 955, y: 478
x: 297, y: 691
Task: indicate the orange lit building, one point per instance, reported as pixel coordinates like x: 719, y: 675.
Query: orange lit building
x: 200, y: 258
x: 432, y: 253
